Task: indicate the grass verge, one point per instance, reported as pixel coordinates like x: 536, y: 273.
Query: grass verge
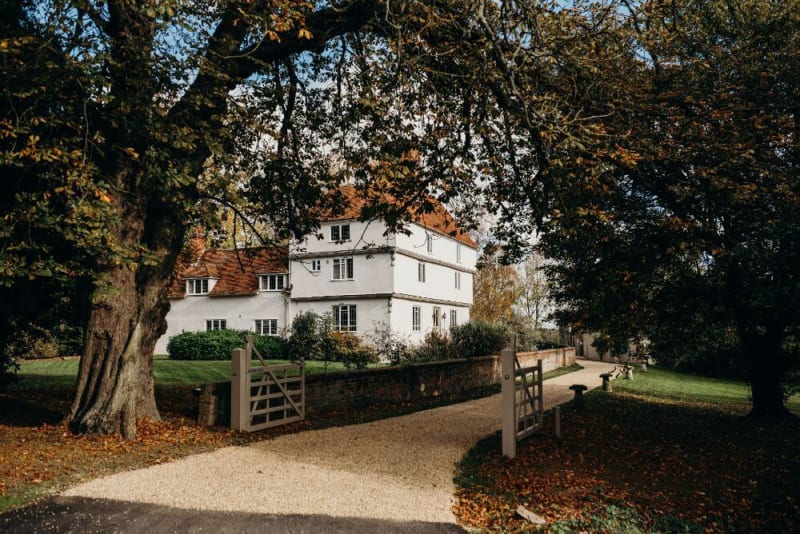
x: 683, y: 459
x: 44, y: 374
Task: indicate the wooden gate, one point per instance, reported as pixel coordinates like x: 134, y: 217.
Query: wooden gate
x: 264, y: 396
x: 523, y: 407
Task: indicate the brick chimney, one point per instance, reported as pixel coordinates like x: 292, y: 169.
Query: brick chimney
x: 197, y: 244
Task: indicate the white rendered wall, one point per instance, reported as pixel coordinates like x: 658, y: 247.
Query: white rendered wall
x: 439, y: 281
x: 402, y: 318
x: 371, y: 275
x: 362, y: 234
x: 370, y: 313
x: 189, y: 314
x: 445, y: 248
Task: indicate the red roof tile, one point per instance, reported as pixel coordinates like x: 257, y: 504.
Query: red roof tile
x: 436, y: 218
x: 236, y: 271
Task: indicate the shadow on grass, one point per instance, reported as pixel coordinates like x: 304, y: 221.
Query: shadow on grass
x: 698, y: 465
x: 27, y: 412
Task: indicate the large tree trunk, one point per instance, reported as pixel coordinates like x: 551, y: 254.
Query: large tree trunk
x: 763, y: 353
x: 115, y: 379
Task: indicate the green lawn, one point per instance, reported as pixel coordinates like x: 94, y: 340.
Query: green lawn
x: 662, y: 383
x: 57, y: 372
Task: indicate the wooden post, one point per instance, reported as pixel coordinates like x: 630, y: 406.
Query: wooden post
x: 558, y: 421
x: 240, y: 390
x: 509, y: 393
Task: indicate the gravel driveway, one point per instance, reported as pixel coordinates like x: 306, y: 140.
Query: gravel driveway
x: 398, y: 469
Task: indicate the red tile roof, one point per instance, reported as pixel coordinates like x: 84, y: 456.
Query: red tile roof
x: 434, y: 216
x: 236, y: 271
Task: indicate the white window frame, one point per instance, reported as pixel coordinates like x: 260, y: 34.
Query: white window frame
x: 453, y: 318
x: 348, y: 312
x: 338, y: 232
x: 437, y: 319
x: 458, y: 253
x: 316, y: 266
x: 343, y: 269
x: 416, y: 318
x: 192, y: 286
x: 421, y: 272
x: 429, y: 243
x: 272, y: 282
x: 458, y: 280
x: 216, y: 324
x: 266, y: 327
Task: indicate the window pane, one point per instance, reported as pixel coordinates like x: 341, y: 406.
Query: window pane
x: 345, y: 232
x: 335, y: 233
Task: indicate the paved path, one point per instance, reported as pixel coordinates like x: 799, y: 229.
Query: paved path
x: 396, y: 473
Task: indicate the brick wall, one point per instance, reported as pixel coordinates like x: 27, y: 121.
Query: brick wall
x: 387, y: 385
x: 405, y: 383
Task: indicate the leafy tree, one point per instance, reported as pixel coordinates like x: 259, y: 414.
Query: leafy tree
x: 495, y: 289
x: 690, y: 235
x: 534, y: 290
x: 124, y: 122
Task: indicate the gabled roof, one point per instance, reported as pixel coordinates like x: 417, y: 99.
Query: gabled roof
x: 236, y: 271
x: 437, y: 218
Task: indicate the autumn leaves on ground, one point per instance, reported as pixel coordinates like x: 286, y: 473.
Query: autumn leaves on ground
x: 629, y: 463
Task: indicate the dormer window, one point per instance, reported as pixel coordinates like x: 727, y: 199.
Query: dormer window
x: 340, y: 232
x: 272, y: 282
x: 197, y: 286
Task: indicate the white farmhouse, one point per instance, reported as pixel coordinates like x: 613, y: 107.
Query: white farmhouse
x: 367, y: 280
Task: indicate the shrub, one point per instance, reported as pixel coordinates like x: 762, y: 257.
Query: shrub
x: 271, y: 347
x: 436, y: 346
x: 8, y: 369
x: 213, y: 345
x: 31, y: 341
x: 304, y: 341
x: 348, y: 349
x: 218, y: 345
x: 390, y: 346
x: 478, y: 338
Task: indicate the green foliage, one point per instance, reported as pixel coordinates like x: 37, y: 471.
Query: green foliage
x: 390, y: 346
x: 9, y: 367
x: 218, y: 345
x: 436, y: 346
x: 31, y: 341
x: 313, y: 338
x: 612, y: 518
x: 304, y: 341
x: 212, y: 345
x: 529, y: 337
x: 347, y: 348
x: 478, y: 338
x: 270, y: 347
x: 623, y: 520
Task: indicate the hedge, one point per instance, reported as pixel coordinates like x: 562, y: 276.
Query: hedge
x: 218, y: 345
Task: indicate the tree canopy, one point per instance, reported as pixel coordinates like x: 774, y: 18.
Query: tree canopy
x: 693, y: 240
x: 652, y: 144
